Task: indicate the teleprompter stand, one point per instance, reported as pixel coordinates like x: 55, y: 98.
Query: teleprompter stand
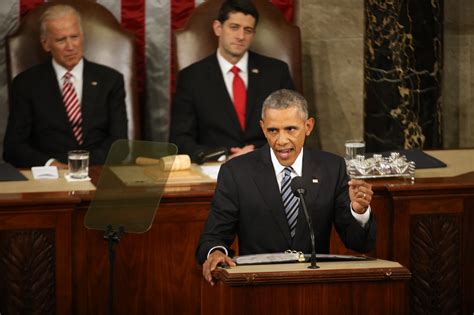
x: 112, y: 237
x: 128, y: 194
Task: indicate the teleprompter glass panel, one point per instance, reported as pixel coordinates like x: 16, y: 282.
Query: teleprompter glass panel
x: 130, y: 186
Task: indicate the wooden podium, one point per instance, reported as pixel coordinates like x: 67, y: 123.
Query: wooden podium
x: 350, y: 287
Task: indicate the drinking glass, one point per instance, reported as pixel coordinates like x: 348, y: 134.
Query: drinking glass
x: 78, y: 162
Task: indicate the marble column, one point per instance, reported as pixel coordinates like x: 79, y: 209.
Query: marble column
x: 402, y: 73
x: 332, y: 45
x: 458, y: 79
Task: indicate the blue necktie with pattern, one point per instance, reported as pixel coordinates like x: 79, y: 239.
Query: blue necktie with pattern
x: 290, y: 201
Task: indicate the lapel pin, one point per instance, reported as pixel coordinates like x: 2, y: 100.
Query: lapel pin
x: 315, y: 181
x: 254, y: 70
x: 94, y: 83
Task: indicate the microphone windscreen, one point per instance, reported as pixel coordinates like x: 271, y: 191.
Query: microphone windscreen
x: 298, y: 184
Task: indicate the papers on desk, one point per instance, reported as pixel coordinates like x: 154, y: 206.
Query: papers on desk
x: 292, y: 257
x: 211, y: 170
x: 45, y: 172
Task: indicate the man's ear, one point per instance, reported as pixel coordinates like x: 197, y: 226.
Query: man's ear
x: 309, y: 125
x: 217, y: 27
x: 45, y: 44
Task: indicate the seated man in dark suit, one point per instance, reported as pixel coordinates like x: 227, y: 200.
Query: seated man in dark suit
x: 252, y: 199
x: 65, y: 104
x: 217, y: 105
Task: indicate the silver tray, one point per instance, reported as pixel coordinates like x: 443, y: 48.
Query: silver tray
x: 381, y: 176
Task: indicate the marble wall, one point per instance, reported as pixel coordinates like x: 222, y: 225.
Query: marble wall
x: 458, y: 81
x: 332, y: 34
x: 403, y: 71
x: 390, y: 71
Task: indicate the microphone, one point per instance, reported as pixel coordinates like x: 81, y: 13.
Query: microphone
x: 298, y: 188
x: 207, y: 155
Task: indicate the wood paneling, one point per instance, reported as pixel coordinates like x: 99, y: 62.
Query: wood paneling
x: 426, y: 226
x: 361, y: 290
x: 36, y: 259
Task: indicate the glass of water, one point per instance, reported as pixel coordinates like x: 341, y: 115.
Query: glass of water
x: 354, y: 148
x: 78, y: 162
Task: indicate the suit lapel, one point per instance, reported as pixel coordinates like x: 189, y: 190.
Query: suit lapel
x: 89, y: 92
x: 253, y: 86
x: 312, y: 177
x: 58, y: 107
x: 222, y: 95
x: 270, y: 193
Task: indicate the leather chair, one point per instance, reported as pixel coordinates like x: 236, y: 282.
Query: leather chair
x: 275, y: 37
x: 105, y: 42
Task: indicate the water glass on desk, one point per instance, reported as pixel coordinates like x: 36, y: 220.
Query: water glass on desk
x: 78, y: 162
x: 354, y: 148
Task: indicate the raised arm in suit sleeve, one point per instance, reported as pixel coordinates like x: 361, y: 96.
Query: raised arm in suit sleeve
x: 351, y: 232
x: 220, y: 227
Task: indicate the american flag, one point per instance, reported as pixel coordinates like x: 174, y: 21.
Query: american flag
x: 152, y: 22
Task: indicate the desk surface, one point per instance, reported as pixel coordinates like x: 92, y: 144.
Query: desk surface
x: 458, y: 162
x: 327, y: 265
x: 374, y: 269
x: 44, y: 185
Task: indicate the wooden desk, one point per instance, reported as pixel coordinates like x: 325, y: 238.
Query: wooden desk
x: 425, y: 225
x: 364, y: 287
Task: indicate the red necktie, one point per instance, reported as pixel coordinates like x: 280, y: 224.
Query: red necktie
x: 73, y: 108
x: 240, y: 96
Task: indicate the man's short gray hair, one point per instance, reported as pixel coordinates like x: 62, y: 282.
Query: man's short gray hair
x: 57, y: 11
x: 282, y: 99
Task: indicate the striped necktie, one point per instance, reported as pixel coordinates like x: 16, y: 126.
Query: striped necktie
x: 73, y: 108
x: 290, y: 201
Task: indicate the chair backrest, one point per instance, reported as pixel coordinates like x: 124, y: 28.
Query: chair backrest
x: 275, y: 37
x: 105, y: 42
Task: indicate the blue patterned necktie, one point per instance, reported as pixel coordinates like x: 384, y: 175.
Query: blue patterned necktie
x: 290, y: 201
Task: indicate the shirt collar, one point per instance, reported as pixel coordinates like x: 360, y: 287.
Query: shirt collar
x: 226, y: 66
x: 297, y: 165
x: 76, y: 71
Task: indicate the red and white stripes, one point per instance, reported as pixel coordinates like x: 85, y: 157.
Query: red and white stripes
x: 73, y: 108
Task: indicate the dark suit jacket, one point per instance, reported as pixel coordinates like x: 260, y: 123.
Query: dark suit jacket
x: 203, y: 114
x: 247, y: 202
x: 38, y: 126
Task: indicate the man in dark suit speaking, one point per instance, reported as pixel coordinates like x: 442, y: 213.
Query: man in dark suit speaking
x: 65, y: 104
x: 218, y: 100
x: 251, y: 198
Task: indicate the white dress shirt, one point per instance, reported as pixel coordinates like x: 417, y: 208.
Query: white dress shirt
x: 76, y: 79
x: 229, y: 75
x: 297, y: 167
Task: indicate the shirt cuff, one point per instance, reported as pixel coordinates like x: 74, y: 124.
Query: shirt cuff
x: 361, y: 218
x: 49, y: 162
x: 217, y: 247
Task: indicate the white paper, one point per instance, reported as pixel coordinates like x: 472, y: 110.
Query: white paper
x: 70, y: 179
x: 211, y: 170
x: 45, y: 172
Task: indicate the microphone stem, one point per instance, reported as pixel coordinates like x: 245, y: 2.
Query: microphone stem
x: 311, y: 233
